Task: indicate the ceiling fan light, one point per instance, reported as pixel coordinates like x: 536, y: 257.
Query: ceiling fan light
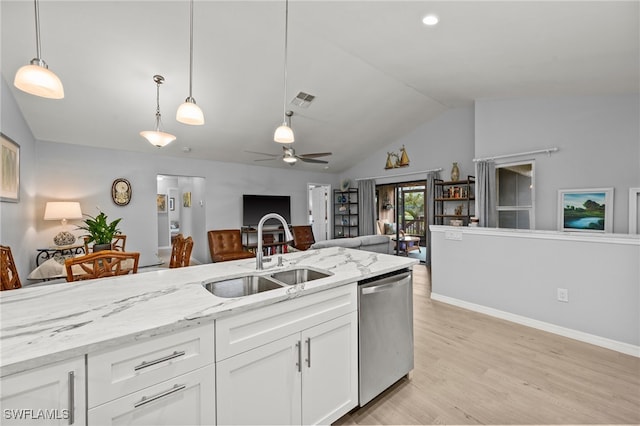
x: 283, y: 134
x: 290, y: 160
x: 190, y: 113
x: 36, y: 79
x: 158, y: 138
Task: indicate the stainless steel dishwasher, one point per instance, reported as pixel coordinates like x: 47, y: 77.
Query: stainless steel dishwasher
x: 385, y: 310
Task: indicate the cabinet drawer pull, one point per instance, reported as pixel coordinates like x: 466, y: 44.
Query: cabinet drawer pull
x: 309, y: 352
x: 72, y: 396
x: 146, y: 364
x: 299, y: 363
x: 146, y: 400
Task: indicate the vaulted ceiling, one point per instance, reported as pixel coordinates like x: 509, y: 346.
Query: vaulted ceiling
x: 376, y: 71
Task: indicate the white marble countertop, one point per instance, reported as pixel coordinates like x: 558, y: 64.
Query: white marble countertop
x: 46, y: 324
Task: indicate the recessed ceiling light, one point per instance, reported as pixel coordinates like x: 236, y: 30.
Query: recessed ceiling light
x: 430, y: 20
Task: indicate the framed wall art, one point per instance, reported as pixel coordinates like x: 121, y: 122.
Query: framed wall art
x: 634, y: 203
x: 186, y: 199
x: 585, y: 210
x: 161, y: 202
x: 9, y: 169
x: 172, y: 204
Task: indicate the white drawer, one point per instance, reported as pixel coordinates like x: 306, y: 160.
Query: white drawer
x: 188, y: 399
x: 118, y: 372
x: 248, y: 330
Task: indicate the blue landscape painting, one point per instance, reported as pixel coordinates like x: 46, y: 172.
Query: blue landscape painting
x: 584, y: 211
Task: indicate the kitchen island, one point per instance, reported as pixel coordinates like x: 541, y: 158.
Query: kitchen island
x: 94, y: 320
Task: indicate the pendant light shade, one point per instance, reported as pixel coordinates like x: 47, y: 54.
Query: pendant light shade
x: 284, y: 133
x: 189, y: 112
x: 157, y: 137
x: 36, y: 78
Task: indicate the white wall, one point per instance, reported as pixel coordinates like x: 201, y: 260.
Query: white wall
x: 598, y: 137
x: 438, y: 143
x: 519, y: 272
x: 18, y: 220
x: 86, y: 175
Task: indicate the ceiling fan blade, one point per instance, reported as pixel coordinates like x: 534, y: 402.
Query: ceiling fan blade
x: 311, y: 160
x: 263, y: 153
x: 315, y: 154
x: 265, y: 159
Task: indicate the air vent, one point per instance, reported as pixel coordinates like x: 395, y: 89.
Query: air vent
x: 303, y: 100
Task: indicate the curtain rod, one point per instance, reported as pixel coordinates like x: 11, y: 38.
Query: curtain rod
x: 539, y: 151
x: 401, y: 174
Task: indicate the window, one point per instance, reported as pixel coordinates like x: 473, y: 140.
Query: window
x: 515, y: 195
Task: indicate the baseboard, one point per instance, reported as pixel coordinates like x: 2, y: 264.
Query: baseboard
x: 614, y: 345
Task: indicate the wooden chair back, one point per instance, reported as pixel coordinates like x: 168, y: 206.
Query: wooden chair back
x: 106, y: 263
x: 226, y: 244
x: 181, y: 251
x: 8, y: 271
x: 302, y: 236
x: 118, y: 243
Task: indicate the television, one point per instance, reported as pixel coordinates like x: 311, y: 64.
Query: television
x: 256, y: 206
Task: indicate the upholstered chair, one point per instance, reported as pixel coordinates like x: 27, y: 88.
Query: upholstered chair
x: 226, y: 244
x: 302, y: 237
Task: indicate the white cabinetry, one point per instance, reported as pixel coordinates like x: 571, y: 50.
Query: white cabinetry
x: 289, y: 363
x: 52, y: 395
x: 163, y: 380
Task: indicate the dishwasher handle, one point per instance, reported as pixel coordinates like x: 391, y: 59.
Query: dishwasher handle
x: 384, y: 284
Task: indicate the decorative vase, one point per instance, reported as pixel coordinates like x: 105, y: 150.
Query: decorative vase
x: 101, y: 247
x: 455, y: 172
x: 64, y: 238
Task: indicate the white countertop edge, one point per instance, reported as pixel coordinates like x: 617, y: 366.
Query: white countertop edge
x: 609, y: 238
x: 214, y: 308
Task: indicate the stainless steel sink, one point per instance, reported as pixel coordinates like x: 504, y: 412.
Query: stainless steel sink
x: 241, y: 286
x: 299, y: 275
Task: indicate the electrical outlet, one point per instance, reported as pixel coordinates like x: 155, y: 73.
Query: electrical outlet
x: 563, y: 294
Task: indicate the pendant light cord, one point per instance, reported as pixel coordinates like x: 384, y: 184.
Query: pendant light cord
x: 37, y: 9
x: 191, y: 51
x: 158, y: 106
x: 286, y: 33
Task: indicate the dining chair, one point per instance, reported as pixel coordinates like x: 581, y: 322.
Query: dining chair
x: 8, y: 271
x: 181, y: 251
x: 105, y: 263
x: 226, y: 244
x: 302, y: 237
x: 118, y: 243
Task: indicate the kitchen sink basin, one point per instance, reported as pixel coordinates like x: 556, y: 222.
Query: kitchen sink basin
x: 299, y: 275
x: 241, y: 286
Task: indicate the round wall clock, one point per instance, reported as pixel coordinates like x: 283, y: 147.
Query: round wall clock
x: 121, y: 192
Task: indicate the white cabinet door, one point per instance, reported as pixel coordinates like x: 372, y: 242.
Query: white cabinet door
x: 51, y: 395
x: 261, y: 386
x: 330, y: 370
x: 188, y: 399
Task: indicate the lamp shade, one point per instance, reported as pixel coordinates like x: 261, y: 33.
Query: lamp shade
x: 190, y: 113
x: 59, y: 210
x: 158, y: 138
x: 283, y: 134
x: 38, y: 80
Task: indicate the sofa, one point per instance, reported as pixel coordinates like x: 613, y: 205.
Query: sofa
x: 374, y: 243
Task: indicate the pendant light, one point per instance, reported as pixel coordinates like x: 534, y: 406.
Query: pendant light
x: 284, y: 134
x: 189, y: 112
x: 157, y: 137
x: 36, y: 78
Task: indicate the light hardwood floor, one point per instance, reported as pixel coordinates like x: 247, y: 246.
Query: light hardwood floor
x: 471, y: 368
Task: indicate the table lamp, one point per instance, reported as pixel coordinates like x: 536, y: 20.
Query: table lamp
x: 63, y: 210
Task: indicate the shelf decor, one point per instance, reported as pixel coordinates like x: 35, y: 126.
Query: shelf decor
x: 395, y: 160
x: 585, y: 210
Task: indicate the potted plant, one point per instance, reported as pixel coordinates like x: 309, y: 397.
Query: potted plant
x: 100, y: 231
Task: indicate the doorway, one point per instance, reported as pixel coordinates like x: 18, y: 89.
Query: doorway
x: 183, y: 213
x: 402, y: 211
x: 318, y: 206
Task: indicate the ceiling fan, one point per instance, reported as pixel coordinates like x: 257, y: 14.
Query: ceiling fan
x: 289, y: 156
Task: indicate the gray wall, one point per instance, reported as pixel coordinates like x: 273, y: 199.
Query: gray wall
x: 598, y: 137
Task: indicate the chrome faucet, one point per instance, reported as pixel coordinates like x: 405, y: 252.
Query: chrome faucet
x: 287, y: 235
